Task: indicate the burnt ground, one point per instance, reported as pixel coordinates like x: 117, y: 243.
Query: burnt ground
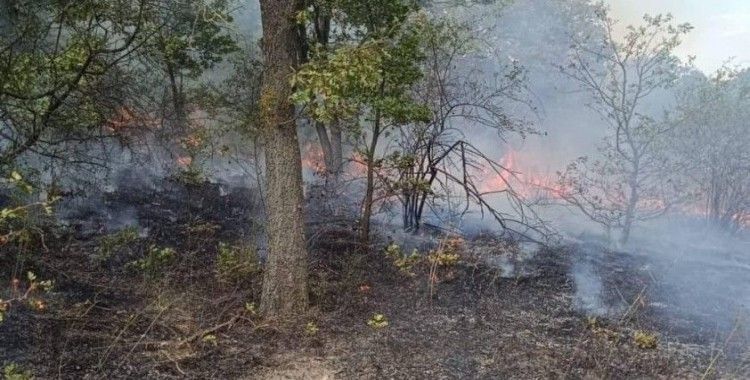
x: 524, y: 318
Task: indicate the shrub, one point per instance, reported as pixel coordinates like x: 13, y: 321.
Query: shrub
x: 236, y: 264
x: 156, y: 260
x: 378, y: 321
x: 13, y: 371
x: 448, y: 254
x: 21, y: 220
x: 645, y: 339
x: 117, y: 242
x: 405, y: 263
x: 311, y: 328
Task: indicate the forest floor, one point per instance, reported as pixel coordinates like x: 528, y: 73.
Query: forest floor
x: 188, y: 318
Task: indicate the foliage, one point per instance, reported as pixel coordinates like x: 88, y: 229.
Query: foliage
x: 191, y: 36
x: 445, y: 257
x: 405, y: 263
x: 374, y: 73
x: 19, y: 219
x: 21, y: 233
x: 447, y: 254
x: 251, y: 308
x: 235, y: 264
x: 210, y: 339
x: 437, y: 167
x: 56, y: 59
x: 645, y: 339
x: 155, y: 261
x: 378, y: 321
x: 235, y: 102
x: 311, y: 328
x: 710, y: 143
x: 13, y: 371
x: 119, y: 241
x: 74, y: 75
x: 631, y: 181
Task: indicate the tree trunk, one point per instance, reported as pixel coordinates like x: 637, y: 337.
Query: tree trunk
x: 370, y: 184
x: 325, y: 145
x: 336, y: 150
x: 329, y: 136
x: 284, y: 293
x: 631, y: 207
x: 179, y: 118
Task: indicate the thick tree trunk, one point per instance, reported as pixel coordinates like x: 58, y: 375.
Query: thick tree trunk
x: 285, y: 281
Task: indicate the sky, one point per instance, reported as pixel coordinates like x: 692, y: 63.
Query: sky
x: 722, y: 27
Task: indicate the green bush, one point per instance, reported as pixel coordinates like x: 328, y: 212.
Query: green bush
x: 12, y: 371
x: 405, y: 263
x: 21, y: 221
x: 117, y: 242
x: 155, y: 261
x: 235, y: 264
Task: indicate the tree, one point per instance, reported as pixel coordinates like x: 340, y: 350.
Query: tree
x: 285, y: 278
x: 366, y: 79
x: 627, y: 184
x: 58, y: 62
x: 326, y: 26
x: 190, y: 37
x: 399, y: 84
x: 711, y: 143
x: 435, y: 158
x: 316, y: 36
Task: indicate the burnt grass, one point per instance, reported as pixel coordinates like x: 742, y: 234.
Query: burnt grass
x: 103, y: 319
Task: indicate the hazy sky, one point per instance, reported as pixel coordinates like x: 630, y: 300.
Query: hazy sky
x: 722, y: 27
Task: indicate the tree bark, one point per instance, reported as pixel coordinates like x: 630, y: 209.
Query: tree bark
x: 325, y: 145
x: 284, y: 293
x: 630, y: 210
x: 367, y: 202
x: 336, y: 150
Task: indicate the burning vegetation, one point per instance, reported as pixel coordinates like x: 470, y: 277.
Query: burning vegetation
x: 374, y: 189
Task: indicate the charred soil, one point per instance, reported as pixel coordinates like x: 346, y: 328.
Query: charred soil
x: 189, y: 318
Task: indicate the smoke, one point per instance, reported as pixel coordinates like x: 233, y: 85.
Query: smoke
x: 678, y: 269
x: 588, y: 285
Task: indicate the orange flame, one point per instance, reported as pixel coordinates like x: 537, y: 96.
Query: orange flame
x: 312, y: 158
x: 524, y: 181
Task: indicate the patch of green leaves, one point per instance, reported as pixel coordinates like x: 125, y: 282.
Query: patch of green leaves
x: 235, y: 264
x: 155, y: 262
x: 13, y: 371
x: 405, y: 263
x: 378, y: 321
x: 116, y: 242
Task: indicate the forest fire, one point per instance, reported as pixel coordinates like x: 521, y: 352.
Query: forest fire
x: 313, y: 159
x: 362, y: 189
x: 516, y: 175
